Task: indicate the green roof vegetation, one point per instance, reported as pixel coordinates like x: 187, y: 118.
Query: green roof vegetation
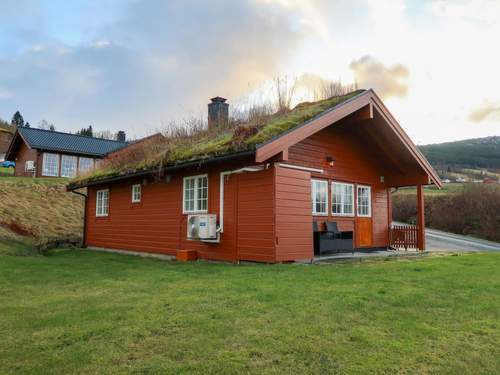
x: 204, y: 144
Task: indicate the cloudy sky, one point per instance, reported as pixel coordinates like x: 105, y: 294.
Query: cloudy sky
x: 137, y: 64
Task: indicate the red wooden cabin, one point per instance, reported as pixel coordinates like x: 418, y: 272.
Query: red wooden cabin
x: 350, y: 156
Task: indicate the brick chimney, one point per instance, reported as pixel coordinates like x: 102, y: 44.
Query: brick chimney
x: 218, y: 112
x: 121, y: 137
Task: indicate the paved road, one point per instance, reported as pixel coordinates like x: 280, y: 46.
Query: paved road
x: 442, y: 241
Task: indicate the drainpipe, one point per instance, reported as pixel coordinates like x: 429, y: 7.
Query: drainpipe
x: 256, y: 168
x: 84, y: 237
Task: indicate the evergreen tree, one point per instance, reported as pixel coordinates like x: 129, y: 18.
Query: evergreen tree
x: 86, y: 131
x: 17, y: 120
x: 27, y: 125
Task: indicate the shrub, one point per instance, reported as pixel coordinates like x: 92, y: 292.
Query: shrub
x: 473, y: 211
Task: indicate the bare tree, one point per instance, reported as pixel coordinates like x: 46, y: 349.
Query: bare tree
x: 328, y: 89
x: 44, y: 124
x: 284, y: 87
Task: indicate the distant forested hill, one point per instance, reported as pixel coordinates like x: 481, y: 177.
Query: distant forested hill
x: 474, y: 153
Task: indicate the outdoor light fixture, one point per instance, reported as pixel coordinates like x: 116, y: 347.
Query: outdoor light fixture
x: 330, y: 160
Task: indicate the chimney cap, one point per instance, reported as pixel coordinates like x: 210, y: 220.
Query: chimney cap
x: 218, y: 99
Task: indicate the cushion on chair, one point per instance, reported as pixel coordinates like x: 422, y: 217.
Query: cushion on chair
x: 331, y: 226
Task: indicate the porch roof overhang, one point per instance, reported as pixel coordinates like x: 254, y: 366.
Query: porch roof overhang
x: 368, y: 113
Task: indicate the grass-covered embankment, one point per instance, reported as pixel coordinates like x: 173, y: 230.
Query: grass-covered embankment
x: 81, y: 312
x: 38, y: 208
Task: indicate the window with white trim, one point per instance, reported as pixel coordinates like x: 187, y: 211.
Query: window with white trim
x: 342, y: 199
x: 136, y: 193
x: 319, y: 197
x: 195, y: 196
x: 102, y: 203
x: 364, y: 201
x: 68, y: 165
x: 85, y: 164
x: 50, y: 166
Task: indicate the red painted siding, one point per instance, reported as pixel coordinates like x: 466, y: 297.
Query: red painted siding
x: 255, y: 216
x: 293, y: 215
x: 355, y: 161
x: 157, y: 223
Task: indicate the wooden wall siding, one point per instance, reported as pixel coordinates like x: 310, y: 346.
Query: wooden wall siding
x: 157, y: 223
x: 356, y: 161
x: 255, y: 218
x: 293, y: 218
x: 380, y: 216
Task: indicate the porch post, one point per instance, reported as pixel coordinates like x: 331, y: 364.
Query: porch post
x: 420, y: 218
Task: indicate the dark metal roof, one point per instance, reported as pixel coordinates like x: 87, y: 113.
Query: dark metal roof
x: 71, y: 143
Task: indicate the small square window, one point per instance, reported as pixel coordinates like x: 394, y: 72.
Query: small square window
x: 136, y: 193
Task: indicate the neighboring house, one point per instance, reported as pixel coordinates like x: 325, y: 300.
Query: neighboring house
x: 340, y: 165
x: 5, y: 139
x: 45, y: 153
x: 489, y: 180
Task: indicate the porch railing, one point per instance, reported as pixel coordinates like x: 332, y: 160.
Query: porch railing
x: 404, y: 236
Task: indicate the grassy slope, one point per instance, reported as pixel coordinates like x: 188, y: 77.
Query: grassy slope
x: 41, y: 205
x: 84, y: 313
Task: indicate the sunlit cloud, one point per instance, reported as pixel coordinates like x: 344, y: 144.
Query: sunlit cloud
x: 387, y: 81
x: 486, y: 111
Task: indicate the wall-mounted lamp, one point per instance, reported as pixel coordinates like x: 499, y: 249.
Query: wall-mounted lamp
x: 330, y: 160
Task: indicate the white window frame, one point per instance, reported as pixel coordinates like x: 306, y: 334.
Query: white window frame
x: 369, y: 188
x: 196, y: 197
x: 136, y: 193
x: 343, y: 202
x: 44, y: 164
x: 102, y: 196
x: 80, y: 170
x: 314, y: 189
x: 75, y: 165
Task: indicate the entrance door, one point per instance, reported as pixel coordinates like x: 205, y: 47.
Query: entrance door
x: 364, y: 232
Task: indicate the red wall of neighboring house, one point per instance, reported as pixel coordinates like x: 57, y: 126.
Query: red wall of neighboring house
x: 24, y: 154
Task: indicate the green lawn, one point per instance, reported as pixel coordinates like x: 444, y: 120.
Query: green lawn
x: 81, y: 312
x: 4, y: 170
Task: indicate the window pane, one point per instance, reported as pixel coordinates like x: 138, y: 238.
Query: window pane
x: 85, y: 164
x: 68, y: 166
x: 50, y: 165
x: 319, y: 196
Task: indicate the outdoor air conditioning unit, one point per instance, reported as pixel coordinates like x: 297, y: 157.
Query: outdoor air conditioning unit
x: 202, y: 227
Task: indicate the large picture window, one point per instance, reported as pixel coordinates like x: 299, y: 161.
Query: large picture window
x: 68, y: 166
x: 364, y: 201
x: 342, y: 199
x: 319, y: 196
x: 102, y: 203
x: 85, y: 164
x: 195, y: 197
x: 50, y: 166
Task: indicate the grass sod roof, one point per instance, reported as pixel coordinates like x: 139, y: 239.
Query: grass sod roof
x: 205, y: 145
